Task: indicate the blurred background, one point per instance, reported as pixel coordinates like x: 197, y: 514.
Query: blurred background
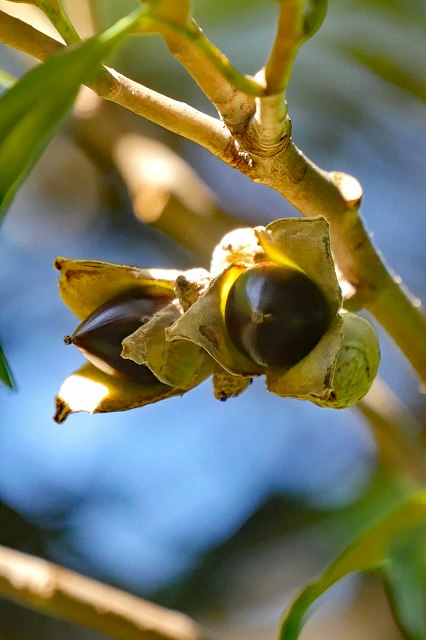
x: 222, y: 510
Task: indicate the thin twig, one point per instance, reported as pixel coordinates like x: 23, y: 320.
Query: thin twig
x: 214, y: 75
x: 270, y: 121
x: 173, y: 115
x: 58, y: 592
x: 57, y: 16
x: 21, y: 36
x: 287, y: 41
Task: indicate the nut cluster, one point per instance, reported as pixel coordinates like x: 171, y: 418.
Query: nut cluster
x: 270, y: 306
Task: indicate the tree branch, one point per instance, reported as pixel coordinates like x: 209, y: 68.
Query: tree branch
x: 287, y: 41
x: 270, y: 122
x: 175, y: 116
x: 21, y: 36
x: 57, y: 16
x: 58, y: 592
x: 214, y: 75
x: 172, y: 115
x: 283, y: 168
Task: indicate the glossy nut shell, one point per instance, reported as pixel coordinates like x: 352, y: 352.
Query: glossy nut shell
x: 100, y: 335
x: 276, y: 315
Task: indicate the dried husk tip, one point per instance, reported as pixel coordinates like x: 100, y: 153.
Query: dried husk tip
x: 89, y: 389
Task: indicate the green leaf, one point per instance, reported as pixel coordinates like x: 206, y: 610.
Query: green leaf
x: 314, y: 16
x: 6, y: 79
x: 405, y: 578
x: 5, y: 372
x: 369, y: 551
x: 31, y: 111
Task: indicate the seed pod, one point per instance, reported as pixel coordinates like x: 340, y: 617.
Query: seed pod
x: 239, y: 245
x: 90, y: 389
x: 276, y: 315
x: 180, y: 364
x: 356, y: 365
x: 100, y: 335
x: 226, y: 385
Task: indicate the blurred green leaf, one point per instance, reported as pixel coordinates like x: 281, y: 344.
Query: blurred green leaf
x: 6, y: 79
x: 314, y: 16
x: 368, y: 552
x: 31, y: 111
x: 390, y: 69
x: 5, y: 372
x: 405, y: 576
x: 387, y: 37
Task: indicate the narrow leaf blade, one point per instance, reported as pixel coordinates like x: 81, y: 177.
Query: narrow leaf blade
x: 32, y: 110
x: 5, y: 372
x: 368, y: 552
x: 405, y: 578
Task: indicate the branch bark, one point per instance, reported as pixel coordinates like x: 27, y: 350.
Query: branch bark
x: 175, y: 116
x: 58, y: 592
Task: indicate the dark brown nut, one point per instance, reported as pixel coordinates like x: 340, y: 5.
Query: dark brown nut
x: 100, y: 335
x: 276, y: 315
